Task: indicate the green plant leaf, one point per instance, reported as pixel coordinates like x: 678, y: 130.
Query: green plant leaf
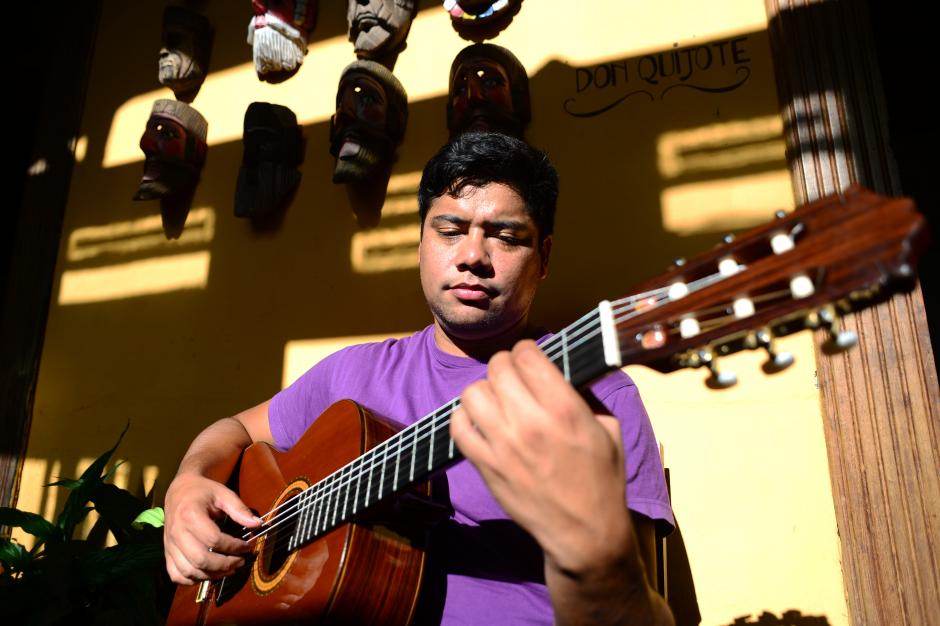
x: 75, y: 508
x: 68, y: 483
x: 103, y: 566
x: 153, y: 517
x: 32, y: 523
x: 14, y: 555
x: 118, y: 508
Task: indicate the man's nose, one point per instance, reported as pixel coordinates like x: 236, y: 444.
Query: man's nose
x: 474, y: 254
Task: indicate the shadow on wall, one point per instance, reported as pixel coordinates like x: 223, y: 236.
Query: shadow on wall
x: 791, y: 617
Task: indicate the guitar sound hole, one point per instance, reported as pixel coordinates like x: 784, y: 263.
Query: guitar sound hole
x: 275, y: 552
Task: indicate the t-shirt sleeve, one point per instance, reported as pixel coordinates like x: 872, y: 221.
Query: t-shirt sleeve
x: 296, y: 407
x: 646, y: 484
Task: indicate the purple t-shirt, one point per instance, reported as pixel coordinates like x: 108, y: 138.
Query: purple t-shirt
x: 493, y: 569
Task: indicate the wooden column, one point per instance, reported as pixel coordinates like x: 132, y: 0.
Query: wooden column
x: 881, y: 402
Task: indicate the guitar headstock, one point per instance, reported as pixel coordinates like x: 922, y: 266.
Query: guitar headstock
x: 803, y: 270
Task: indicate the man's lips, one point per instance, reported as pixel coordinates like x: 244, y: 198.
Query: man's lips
x: 466, y: 291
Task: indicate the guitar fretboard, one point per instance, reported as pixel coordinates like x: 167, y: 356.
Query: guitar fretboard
x: 414, y: 454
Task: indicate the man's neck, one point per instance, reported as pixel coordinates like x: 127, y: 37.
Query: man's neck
x: 480, y: 348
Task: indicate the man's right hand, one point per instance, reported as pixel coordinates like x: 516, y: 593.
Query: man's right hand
x: 196, y: 549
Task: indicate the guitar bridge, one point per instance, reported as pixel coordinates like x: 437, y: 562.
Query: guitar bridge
x: 202, y: 592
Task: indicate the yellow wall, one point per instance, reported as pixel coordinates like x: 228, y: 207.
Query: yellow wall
x: 172, y: 335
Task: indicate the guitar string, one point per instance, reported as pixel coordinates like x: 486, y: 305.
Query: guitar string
x: 435, y: 424
x: 438, y: 418
x: 285, y: 510
x: 420, y: 425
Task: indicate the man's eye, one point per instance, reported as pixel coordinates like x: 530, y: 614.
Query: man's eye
x: 513, y: 241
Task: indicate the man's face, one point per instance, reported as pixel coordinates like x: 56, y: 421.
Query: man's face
x: 481, y: 261
x: 358, y: 137
x: 378, y: 26
x: 481, y: 99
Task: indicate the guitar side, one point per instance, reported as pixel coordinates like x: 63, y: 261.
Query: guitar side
x: 355, y: 574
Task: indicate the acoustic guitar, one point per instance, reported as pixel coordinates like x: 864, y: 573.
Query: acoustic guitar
x: 327, y: 552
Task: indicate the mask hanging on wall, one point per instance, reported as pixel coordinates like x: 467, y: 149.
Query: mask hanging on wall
x: 174, y: 146
x: 477, y: 20
x: 365, y: 132
x: 184, y: 57
x: 274, y: 149
x: 278, y: 34
x: 379, y: 28
x: 488, y: 91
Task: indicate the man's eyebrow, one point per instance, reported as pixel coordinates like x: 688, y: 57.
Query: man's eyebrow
x: 514, y: 225
x: 451, y: 219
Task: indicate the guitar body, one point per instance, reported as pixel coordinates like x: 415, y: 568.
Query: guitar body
x: 358, y: 573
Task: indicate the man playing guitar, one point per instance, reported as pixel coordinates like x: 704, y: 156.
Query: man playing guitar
x: 579, y: 474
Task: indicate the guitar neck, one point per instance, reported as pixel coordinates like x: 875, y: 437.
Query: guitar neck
x: 583, y: 351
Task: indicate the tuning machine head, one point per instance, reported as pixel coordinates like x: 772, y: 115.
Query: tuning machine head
x: 776, y: 361
x: 717, y: 379
x: 840, y: 339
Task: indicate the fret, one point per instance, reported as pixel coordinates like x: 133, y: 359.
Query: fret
x: 450, y: 447
x: 564, y: 354
x: 397, y: 461
x: 326, y: 500
x: 382, y: 474
x: 414, y: 449
x: 358, y: 485
x: 345, y: 483
x: 298, y: 527
x: 431, y: 437
x: 314, y: 518
x: 368, y: 487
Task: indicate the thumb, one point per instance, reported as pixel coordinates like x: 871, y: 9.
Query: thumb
x: 230, y: 504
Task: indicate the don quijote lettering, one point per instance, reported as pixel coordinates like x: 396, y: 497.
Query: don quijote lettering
x: 713, y: 67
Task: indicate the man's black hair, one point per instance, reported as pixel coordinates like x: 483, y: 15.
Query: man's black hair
x: 478, y: 159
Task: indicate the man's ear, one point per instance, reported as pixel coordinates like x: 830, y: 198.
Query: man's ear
x: 545, y: 252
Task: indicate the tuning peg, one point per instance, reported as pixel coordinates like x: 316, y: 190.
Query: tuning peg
x: 718, y: 379
x: 839, y: 340
x: 776, y: 361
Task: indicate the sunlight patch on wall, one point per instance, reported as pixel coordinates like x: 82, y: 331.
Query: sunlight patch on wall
x: 302, y: 354
x: 159, y: 274
x: 34, y: 496
x: 394, y: 245
x: 385, y: 249
x: 721, y: 146
x: 593, y: 33
x: 145, y: 233
x: 136, y: 278
x: 725, y: 204
x: 732, y: 195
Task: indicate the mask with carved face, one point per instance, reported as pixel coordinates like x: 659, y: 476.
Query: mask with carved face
x: 184, y: 57
x: 174, y: 146
x: 369, y: 123
x: 489, y: 91
x: 379, y: 27
x: 268, y: 175
x: 278, y: 34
